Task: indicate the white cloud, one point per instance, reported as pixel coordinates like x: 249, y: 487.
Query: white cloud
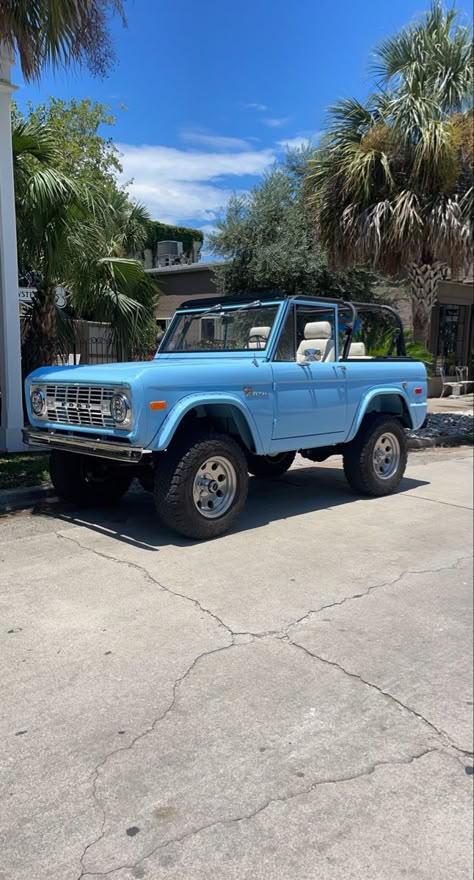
x: 209, y: 229
x: 294, y: 143
x: 274, y: 122
x: 262, y: 108
x: 181, y: 185
x: 301, y: 140
x: 215, y: 141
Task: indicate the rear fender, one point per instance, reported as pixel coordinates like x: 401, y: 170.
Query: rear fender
x: 228, y: 404
x: 385, y: 400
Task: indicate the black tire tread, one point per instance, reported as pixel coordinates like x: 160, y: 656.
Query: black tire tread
x: 262, y: 466
x: 177, y: 466
x: 65, y: 469
x: 358, y: 456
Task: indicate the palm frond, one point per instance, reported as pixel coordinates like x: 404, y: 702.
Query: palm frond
x: 58, y: 33
x: 32, y: 141
x: 431, y: 58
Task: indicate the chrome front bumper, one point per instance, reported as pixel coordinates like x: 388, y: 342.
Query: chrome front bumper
x: 86, y: 445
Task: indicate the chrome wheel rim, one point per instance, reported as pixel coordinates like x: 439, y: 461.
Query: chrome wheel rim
x: 386, y: 456
x: 214, y: 486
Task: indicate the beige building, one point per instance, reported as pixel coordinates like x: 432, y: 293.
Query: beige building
x: 180, y: 283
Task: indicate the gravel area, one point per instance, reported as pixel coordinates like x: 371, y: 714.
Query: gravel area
x: 445, y: 425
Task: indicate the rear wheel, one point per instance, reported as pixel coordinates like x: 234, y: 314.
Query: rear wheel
x: 375, y: 461
x: 86, y: 480
x: 269, y: 465
x: 201, y: 486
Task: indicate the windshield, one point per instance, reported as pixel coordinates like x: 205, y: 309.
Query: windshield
x: 222, y: 328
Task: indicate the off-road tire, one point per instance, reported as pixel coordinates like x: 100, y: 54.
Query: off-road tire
x: 359, y: 466
x: 269, y: 465
x: 174, y: 483
x: 87, y: 481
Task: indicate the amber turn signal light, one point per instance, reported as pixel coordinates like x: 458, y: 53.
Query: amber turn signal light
x: 158, y: 404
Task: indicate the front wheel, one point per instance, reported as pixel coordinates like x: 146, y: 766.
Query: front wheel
x: 201, y: 486
x: 86, y: 480
x: 269, y: 465
x: 375, y: 461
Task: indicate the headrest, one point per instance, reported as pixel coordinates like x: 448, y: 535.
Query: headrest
x: 262, y: 332
x: 318, y: 330
x: 357, y: 349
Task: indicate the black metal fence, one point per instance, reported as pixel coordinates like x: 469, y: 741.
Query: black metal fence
x: 99, y: 349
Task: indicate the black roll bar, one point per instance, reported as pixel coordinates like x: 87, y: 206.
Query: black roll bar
x: 355, y: 308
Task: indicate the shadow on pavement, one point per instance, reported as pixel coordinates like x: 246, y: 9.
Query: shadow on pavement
x: 301, y: 490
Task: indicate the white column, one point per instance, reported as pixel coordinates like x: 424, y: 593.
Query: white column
x: 10, y: 347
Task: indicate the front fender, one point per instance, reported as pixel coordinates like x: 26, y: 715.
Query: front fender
x: 368, y: 399
x: 165, y: 433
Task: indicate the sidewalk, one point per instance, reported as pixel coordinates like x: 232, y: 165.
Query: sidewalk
x: 462, y: 404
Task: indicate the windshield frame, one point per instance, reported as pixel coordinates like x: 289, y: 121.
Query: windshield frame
x: 252, y: 305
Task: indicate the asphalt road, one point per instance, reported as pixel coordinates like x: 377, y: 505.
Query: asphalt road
x: 292, y: 701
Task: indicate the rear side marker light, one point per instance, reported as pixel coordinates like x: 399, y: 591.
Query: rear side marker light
x: 158, y: 404
x: 418, y: 390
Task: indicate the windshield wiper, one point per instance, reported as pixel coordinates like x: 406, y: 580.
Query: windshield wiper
x: 251, y: 305
x: 223, y: 307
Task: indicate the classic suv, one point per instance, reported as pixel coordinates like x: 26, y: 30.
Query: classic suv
x: 236, y: 387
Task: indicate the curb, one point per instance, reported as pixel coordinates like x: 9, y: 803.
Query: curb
x: 20, y: 499
x: 441, y: 440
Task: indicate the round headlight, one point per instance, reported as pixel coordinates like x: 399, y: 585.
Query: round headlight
x: 119, y: 407
x: 38, y: 401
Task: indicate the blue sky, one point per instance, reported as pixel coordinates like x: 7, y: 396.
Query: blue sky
x: 214, y: 90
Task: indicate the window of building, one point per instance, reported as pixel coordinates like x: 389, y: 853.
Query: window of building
x: 208, y: 329
x: 452, y: 328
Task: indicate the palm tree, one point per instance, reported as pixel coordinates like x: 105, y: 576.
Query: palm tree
x: 58, y: 32
x: 392, y: 184
x: 78, y: 237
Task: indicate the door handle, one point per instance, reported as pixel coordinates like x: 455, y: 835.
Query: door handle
x: 344, y: 369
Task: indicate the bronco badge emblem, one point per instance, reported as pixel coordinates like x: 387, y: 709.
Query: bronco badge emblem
x: 249, y: 392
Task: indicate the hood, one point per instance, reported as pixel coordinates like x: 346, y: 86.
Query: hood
x: 123, y: 373
x: 93, y: 374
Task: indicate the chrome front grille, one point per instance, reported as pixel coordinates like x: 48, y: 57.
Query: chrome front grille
x: 87, y: 405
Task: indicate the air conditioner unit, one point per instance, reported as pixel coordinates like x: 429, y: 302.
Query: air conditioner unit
x: 169, y: 252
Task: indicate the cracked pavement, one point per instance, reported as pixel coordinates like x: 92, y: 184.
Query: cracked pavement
x: 292, y: 700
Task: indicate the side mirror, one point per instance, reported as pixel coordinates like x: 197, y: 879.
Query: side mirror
x: 311, y: 355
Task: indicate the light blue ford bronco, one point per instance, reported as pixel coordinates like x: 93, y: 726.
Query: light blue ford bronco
x: 236, y: 387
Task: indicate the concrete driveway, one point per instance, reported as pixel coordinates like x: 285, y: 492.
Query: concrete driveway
x: 292, y: 700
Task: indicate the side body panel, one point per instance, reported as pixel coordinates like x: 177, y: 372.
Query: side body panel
x: 392, y: 386
x: 309, y: 399
x: 368, y: 380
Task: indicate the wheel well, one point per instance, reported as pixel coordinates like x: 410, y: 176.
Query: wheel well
x: 221, y: 417
x: 392, y: 404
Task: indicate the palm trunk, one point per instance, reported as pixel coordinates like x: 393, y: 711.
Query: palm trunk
x: 424, y: 280
x: 40, y: 346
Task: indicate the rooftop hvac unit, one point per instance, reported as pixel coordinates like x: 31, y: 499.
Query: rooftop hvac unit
x: 169, y: 252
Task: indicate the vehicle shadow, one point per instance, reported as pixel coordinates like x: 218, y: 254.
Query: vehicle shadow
x: 301, y: 490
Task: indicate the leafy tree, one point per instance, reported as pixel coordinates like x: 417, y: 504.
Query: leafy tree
x: 188, y: 236
x: 81, y: 151
x: 392, y: 185
x: 74, y: 234
x: 268, y: 241
x: 58, y: 33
